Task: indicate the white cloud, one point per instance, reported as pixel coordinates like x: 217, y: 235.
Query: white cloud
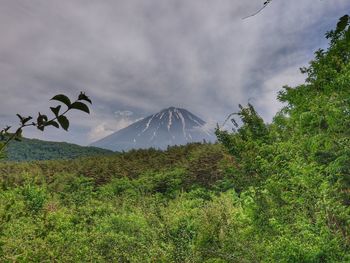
x: 267, y: 102
x: 99, y: 132
x: 124, y: 113
x: 106, y: 128
x: 103, y: 128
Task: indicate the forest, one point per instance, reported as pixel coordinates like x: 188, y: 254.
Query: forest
x: 266, y: 192
x: 34, y: 149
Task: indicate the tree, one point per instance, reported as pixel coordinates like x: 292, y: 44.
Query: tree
x: 296, y: 169
x: 59, y: 119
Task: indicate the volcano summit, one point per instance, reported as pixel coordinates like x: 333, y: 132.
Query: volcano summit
x: 171, y: 126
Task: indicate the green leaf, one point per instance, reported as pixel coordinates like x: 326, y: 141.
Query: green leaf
x: 27, y: 119
x: 41, y: 119
x: 343, y: 22
x: 18, y: 135
x: 80, y: 106
x: 64, y: 122
x: 20, y: 117
x: 24, y: 120
x: 56, y: 110
x: 82, y: 96
x: 62, y: 98
x: 53, y: 123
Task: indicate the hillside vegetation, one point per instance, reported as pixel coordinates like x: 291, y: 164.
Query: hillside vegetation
x: 33, y: 149
x: 274, y: 192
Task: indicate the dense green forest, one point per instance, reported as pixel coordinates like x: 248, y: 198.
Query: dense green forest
x: 275, y: 192
x: 33, y: 149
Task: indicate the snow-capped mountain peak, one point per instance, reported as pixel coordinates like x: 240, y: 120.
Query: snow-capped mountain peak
x: 171, y: 126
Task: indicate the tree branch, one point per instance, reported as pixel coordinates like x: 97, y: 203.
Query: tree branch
x: 261, y: 9
x: 43, y: 121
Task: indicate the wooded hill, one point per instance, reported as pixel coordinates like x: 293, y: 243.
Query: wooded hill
x: 33, y: 149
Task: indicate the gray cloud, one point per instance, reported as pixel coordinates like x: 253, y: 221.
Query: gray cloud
x: 142, y: 56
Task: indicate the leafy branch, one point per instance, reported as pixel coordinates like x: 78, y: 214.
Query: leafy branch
x: 43, y: 121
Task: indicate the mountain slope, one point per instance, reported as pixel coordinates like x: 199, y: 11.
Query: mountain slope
x: 33, y: 149
x: 171, y: 126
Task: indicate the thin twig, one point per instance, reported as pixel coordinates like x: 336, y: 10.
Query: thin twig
x: 257, y: 12
x: 228, y: 117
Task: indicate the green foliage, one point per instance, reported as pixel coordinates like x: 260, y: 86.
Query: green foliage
x: 2, y: 154
x: 149, y: 202
x: 34, y: 198
x: 297, y: 167
x: 33, y: 149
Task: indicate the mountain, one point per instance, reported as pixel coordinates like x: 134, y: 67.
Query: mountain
x: 33, y: 149
x: 171, y: 126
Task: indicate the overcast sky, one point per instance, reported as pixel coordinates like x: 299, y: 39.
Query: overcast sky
x: 136, y: 57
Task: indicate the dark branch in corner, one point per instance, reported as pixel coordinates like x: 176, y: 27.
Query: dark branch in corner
x: 257, y: 12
